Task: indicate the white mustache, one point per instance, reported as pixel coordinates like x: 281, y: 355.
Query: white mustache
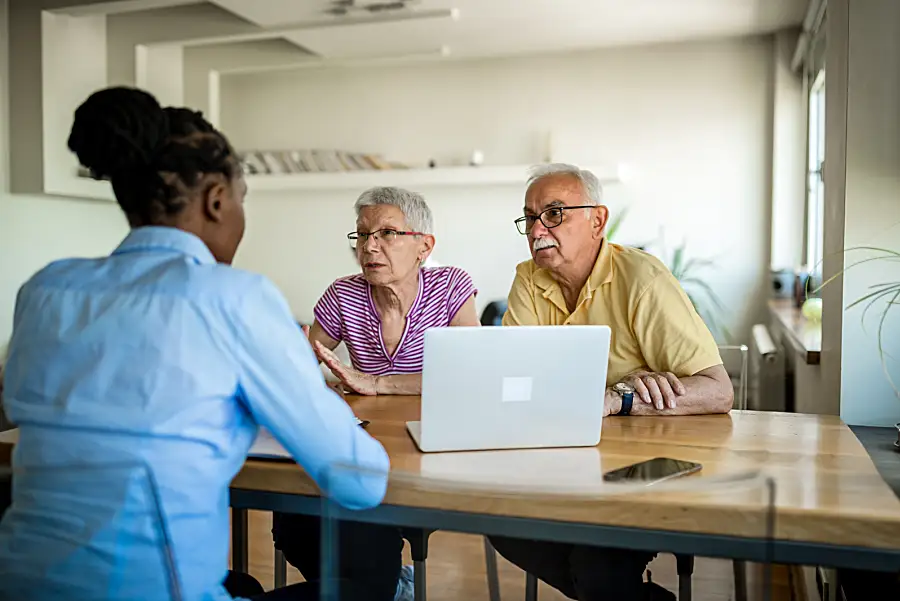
x: 542, y: 243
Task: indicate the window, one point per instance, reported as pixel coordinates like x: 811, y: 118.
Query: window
x: 815, y: 186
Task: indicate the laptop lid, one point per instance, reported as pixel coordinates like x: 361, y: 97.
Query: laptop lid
x: 513, y: 387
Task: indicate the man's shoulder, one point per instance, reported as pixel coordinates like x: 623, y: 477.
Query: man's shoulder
x: 526, y: 270
x: 636, y: 267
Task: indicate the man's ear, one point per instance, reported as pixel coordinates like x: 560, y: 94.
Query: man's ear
x: 214, y: 201
x: 599, y: 221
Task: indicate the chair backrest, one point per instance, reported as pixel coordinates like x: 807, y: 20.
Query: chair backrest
x: 493, y: 313
x: 86, y: 532
x: 741, y: 354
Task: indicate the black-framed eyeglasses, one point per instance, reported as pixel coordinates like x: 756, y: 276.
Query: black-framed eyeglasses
x: 384, y: 236
x: 551, y: 218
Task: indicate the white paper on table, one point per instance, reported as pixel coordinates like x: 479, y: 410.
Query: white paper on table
x: 266, y: 447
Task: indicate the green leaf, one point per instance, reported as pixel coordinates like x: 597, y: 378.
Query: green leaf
x: 616, y: 222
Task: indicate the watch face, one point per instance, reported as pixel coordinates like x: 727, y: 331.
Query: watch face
x: 623, y: 388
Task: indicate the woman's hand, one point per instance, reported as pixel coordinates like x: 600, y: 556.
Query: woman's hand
x: 353, y: 380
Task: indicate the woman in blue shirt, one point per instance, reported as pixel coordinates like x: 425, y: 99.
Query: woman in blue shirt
x: 159, y: 355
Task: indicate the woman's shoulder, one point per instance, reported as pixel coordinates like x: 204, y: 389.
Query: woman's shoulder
x: 350, y: 284
x: 445, y: 276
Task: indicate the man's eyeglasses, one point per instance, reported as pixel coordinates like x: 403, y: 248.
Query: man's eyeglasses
x: 387, y: 237
x: 551, y: 218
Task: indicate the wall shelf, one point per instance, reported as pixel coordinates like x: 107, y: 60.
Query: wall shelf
x: 406, y: 178
x: 442, y: 177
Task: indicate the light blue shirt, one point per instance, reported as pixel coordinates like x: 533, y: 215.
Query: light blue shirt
x: 156, y: 355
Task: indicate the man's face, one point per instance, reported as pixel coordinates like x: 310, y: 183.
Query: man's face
x: 580, y: 230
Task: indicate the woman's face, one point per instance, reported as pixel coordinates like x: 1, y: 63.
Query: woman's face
x: 389, y: 259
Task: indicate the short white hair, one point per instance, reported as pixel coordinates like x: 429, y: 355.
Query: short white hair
x: 412, y: 204
x: 593, y: 191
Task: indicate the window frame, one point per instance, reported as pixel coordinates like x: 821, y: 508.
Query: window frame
x: 815, y: 175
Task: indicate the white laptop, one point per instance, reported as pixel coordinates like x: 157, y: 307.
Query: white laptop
x: 512, y: 388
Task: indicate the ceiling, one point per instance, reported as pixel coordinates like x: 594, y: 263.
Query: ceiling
x: 501, y: 27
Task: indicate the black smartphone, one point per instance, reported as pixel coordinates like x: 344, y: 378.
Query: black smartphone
x: 653, y: 470
x: 362, y: 423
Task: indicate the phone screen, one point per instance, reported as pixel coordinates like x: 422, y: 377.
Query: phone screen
x: 660, y: 468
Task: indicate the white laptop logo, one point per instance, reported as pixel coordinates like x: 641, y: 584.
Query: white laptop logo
x: 517, y: 390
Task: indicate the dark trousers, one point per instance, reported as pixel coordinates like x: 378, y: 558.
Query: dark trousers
x: 246, y: 586
x: 581, y: 572
x: 369, y: 556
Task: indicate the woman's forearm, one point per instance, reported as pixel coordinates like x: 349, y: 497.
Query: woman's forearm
x: 399, y: 384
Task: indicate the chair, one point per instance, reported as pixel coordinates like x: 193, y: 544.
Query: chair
x: 95, y: 510
x: 684, y: 563
x: 493, y: 313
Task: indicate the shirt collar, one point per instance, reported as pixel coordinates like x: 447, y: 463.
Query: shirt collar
x: 602, y: 273
x: 156, y: 238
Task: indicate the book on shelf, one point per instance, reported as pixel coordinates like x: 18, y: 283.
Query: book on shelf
x: 279, y: 162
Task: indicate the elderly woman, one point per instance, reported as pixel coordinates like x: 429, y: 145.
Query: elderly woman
x: 381, y: 315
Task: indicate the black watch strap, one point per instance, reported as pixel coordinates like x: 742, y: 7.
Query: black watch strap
x: 627, y: 401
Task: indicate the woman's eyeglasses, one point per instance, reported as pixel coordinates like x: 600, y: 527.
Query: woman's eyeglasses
x: 386, y: 237
x: 551, y: 218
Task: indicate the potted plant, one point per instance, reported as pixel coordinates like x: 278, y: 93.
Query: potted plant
x: 689, y: 273
x: 878, y: 302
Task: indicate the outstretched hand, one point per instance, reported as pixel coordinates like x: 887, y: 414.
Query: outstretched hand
x: 353, y: 380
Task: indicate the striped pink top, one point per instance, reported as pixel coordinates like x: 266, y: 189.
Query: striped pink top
x: 347, y: 312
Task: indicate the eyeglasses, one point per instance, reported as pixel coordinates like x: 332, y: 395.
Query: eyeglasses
x: 551, y: 218
x: 387, y: 237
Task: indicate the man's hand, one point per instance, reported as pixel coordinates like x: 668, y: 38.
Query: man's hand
x: 353, y: 380
x: 658, y: 389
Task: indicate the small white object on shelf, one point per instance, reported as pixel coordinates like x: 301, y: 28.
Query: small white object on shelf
x: 408, y: 178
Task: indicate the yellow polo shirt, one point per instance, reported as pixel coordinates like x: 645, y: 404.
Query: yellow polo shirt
x: 653, y: 322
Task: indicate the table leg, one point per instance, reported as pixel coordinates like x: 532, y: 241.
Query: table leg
x: 240, y: 556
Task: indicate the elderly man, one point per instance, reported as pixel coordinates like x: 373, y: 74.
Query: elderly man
x: 663, y: 359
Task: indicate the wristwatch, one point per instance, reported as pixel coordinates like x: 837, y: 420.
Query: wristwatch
x: 626, y: 391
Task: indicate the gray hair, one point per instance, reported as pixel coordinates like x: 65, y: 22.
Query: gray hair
x: 412, y: 204
x: 593, y: 191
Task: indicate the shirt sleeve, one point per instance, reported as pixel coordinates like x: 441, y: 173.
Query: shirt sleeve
x: 670, y: 332
x: 520, y: 307
x: 328, y: 313
x: 285, y: 392
x: 460, y: 290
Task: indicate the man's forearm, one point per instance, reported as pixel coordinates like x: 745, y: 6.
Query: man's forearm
x: 706, y: 393
x: 399, y: 384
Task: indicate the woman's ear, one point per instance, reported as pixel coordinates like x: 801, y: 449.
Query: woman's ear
x: 427, y: 246
x: 214, y: 200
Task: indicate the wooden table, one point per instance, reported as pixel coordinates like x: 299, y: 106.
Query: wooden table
x: 832, y: 508
x: 831, y: 505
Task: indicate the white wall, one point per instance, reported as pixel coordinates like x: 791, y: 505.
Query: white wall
x: 35, y: 230
x: 694, y: 119
x: 862, y: 203
x: 788, y: 158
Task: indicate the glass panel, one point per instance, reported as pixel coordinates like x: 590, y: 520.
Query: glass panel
x: 816, y: 183
x: 534, y: 505
x: 79, y: 532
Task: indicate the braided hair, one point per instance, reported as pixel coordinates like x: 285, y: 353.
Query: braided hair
x: 154, y: 157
